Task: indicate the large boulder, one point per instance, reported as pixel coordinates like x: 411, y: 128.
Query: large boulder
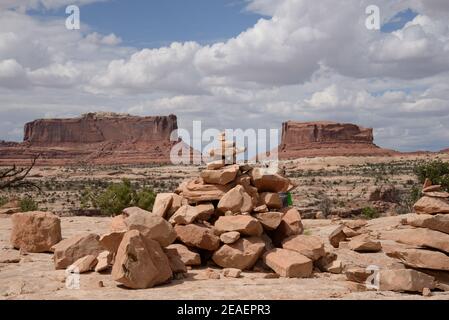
x: 35, y: 231
x: 289, y: 264
x: 140, y: 262
x: 405, y: 280
x: 290, y: 225
x: 152, y: 227
x: 162, y: 204
x: 70, y: 250
x: 188, y: 257
x: 242, y: 254
x: 419, y: 237
x: 198, y: 236
x: 246, y: 225
x: 431, y: 205
x: 221, y: 176
x: 310, y: 246
x: 236, y: 201
x: 266, y: 181
x: 439, y: 222
x: 425, y: 259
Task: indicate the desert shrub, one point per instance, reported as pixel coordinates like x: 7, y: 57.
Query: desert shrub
x: 3, y: 200
x: 28, y: 204
x: 325, y: 205
x: 437, y: 171
x: 407, y: 200
x: 119, y: 196
x: 370, y: 213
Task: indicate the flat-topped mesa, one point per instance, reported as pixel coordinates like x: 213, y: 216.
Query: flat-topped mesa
x: 100, y: 127
x: 326, y: 138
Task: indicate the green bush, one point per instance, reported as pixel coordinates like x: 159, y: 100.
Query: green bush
x: 3, y: 200
x: 370, y: 213
x: 28, y: 204
x: 119, y: 196
x: 437, y: 171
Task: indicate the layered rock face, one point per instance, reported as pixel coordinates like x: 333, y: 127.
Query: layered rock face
x: 309, y: 139
x: 100, y: 138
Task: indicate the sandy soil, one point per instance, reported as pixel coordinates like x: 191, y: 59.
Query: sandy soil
x: 32, y: 276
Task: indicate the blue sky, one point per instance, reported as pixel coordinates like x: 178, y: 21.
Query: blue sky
x: 151, y: 24
x: 399, y: 20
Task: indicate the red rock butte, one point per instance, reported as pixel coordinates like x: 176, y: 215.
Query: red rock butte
x: 326, y: 138
x: 94, y: 138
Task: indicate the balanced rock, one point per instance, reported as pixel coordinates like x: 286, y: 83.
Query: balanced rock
x: 220, y: 176
x: 405, y: 280
x: 85, y: 264
x: 363, y: 243
x: 430, y: 205
x: 111, y: 241
x: 290, y: 225
x: 337, y: 236
x: 35, y: 231
x: 162, y: 204
x: 425, y: 259
x: 246, y: 225
x: 230, y: 237
x: 419, y: 237
x: 70, y: 250
x: 289, y: 264
x: 201, y: 237
x: 310, y: 246
x: 271, y: 200
x: 439, y: 222
x: 104, y: 261
x: 269, y: 220
x: 242, y: 254
x: 152, y: 227
x: 266, y: 181
x: 188, y: 257
x: 140, y: 262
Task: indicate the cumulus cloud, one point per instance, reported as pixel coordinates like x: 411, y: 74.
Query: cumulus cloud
x: 303, y: 60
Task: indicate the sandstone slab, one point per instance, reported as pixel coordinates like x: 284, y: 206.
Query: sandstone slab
x: 220, y: 176
x: 430, y: 205
x: 70, y: 250
x: 439, y: 222
x: 363, y: 243
x: 242, y: 254
x: 420, y: 237
x: 198, y: 236
x: 230, y: 237
x: 405, y: 280
x: 243, y: 224
x: 290, y: 225
x: 269, y: 220
x: 310, y: 246
x: 85, y: 264
x: 266, y: 181
x: 289, y: 264
x: 418, y: 258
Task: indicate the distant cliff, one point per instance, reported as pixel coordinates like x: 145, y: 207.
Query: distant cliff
x: 98, y: 138
x: 305, y: 139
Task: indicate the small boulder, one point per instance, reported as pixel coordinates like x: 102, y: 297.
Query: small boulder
x: 230, y: 237
x: 162, y: 204
x: 337, y: 236
x: 232, y: 272
x: 269, y: 220
x: 271, y: 200
x: 185, y: 215
x: 234, y: 201
x: 289, y: 264
x: 104, y: 261
x: 363, y: 243
x: 35, y: 231
x: 290, y: 225
x: 111, y: 241
x: 266, y: 181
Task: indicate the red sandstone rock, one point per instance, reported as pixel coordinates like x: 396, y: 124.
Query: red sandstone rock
x: 306, y: 139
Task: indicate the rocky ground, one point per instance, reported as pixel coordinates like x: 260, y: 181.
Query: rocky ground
x: 33, y: 276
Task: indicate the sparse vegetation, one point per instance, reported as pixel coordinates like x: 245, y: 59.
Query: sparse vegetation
x: 28, y: 204
x: 437, y: 171
x: 3, y: 200
x: 370, y: 213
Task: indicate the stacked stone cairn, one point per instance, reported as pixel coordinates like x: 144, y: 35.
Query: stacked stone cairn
x: 231, y: 216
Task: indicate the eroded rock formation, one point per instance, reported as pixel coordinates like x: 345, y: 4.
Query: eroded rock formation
x: 307, y: 139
